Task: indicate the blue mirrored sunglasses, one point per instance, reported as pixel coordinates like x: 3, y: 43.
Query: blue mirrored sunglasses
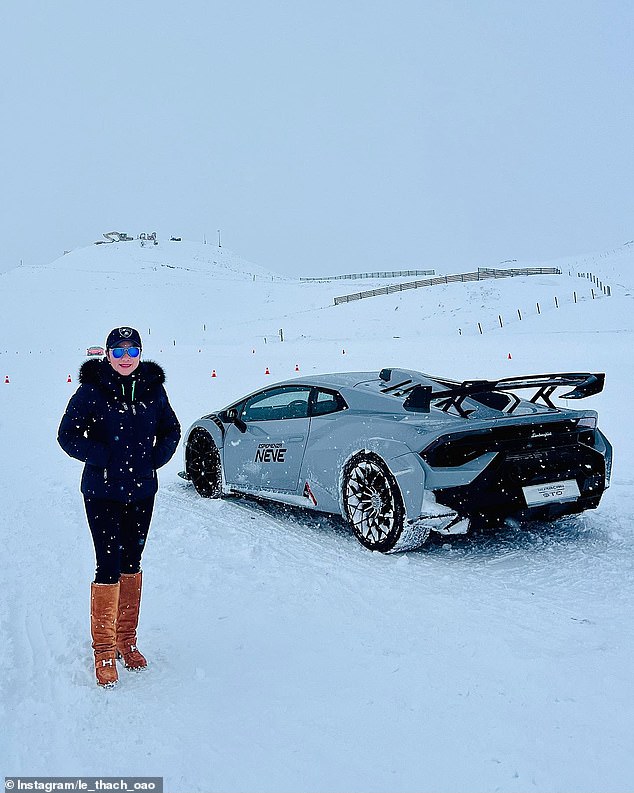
x: 119, y: 352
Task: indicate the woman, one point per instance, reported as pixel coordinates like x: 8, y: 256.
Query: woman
x: 121, y: 425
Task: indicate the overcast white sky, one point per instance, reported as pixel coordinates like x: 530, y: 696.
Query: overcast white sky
x: 319, y: 135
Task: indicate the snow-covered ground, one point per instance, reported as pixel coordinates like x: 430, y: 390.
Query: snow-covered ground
x: 284, y: 656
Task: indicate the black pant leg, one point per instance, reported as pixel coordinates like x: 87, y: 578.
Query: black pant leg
x: 134, y: 530
x: 104, y: 519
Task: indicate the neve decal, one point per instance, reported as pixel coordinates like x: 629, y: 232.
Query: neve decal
x: 270, y: 453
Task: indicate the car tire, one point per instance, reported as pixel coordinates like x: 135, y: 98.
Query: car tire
x: 372, y: 502
x: 203, y: 464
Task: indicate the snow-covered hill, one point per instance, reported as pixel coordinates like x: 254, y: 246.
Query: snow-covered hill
x: 285, y: 657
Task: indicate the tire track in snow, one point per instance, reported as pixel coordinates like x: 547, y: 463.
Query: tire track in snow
x: 46, y: 638
x: 497, y: 576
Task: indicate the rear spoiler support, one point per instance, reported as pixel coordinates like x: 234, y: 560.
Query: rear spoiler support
x: 585, y: 384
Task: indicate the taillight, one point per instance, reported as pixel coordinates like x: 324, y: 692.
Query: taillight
x: 586, y: 429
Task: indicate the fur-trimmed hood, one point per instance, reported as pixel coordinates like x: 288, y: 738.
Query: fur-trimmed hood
x: 98, y: 373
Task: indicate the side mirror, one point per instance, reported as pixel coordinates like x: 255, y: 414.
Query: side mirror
x: 233, y: 418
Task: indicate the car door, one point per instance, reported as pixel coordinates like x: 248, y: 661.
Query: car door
x: 268, y: 454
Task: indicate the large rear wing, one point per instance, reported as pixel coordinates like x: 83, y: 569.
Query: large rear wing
x: 584, y: 384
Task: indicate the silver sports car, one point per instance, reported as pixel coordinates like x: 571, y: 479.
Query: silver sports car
x: 400, y: 453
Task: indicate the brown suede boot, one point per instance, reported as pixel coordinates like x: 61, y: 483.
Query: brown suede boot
x: 104, y: 604
x: 128, y: 619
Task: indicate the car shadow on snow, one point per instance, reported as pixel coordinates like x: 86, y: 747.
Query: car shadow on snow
x: 581, y: 532
x: 578, y: 532
x: 293, y: 515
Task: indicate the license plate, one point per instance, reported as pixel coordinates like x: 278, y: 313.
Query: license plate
x: 551, y: 491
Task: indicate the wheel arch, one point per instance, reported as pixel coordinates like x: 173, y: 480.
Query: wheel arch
x: 408, y: 473
x: 212, y: 426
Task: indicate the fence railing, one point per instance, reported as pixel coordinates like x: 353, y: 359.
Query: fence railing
x: 482, y: 274
x: 382, y: 274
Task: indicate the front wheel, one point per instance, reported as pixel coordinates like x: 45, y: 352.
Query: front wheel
x: 203, y: 464
x: 373, y: 503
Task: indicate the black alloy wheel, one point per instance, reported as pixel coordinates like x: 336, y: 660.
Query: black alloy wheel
x: 373, y: 502
x: 203, y: 464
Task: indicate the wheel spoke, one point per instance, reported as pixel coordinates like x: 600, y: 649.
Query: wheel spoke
x: 371, y: 502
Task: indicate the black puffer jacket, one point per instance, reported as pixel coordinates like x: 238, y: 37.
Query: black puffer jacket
x: 123, y: 427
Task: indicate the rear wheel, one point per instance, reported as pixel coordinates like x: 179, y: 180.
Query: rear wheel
x: 373, y: 502
x: 203, y: 464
